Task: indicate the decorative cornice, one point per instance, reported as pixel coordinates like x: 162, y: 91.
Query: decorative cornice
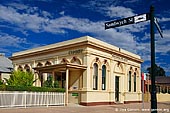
x: 82, y: 42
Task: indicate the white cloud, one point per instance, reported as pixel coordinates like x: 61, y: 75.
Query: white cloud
x: 162, y: 46
x: 14, y: 42
x: 10, y: 40
x: 164, y: 19
x: 37, y: 23
x: 95, y: 28
x: 59, y: 25
x: 119, y: 11
x: 167, y: 69
x: 110, y: 8
x: 131, y: 1
x: 134, y: 27
x: 27, y: 21
x: 62, y: 13
x: 18, y: 6
x: 122, y: 37
x: 5, y: 51
x: 7, y: 14
x: 143, y: 49
x: 99, y: 4
x: 161, y: 42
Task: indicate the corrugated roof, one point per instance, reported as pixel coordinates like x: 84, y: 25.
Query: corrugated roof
x: 162, y: 80
x: 5, y: 64
x: 5, y: 70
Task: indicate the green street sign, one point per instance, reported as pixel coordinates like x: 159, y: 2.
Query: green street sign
x: 75, y: 94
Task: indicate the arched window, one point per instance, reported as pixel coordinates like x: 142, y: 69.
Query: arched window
x: 39, y: 64
x: 20, y: 68
x: 103, y: 77
x: 129, y: 81
x: 64, y: 61
x: 135, y: 82
x: 47, y: 63
x: 75, y: 60
x: 27, y: 68
x: 95, y: 76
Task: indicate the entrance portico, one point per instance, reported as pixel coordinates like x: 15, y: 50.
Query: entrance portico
x: 65, y: 73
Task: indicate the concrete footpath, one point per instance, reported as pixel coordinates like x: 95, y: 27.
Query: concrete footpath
x: 163, y: 107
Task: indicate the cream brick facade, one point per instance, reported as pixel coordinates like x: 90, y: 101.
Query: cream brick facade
x: 73, y: 63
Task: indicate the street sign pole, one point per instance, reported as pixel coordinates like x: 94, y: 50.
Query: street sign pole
x: 153, y: 74
x: 137, y: 19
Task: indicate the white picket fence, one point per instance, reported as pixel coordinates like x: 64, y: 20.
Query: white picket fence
x: 28, y: 99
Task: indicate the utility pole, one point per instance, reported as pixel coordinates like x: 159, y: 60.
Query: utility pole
x: 153, y: 74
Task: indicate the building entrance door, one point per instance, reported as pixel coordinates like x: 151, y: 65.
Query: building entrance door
x: 117, y: 89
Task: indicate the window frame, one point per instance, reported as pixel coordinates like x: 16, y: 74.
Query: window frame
x: 104, y: 73
x: 129, y: 81
x: 135, y: 81
x: 95, y: 76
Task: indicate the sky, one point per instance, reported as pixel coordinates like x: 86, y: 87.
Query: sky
x: 26, y: 24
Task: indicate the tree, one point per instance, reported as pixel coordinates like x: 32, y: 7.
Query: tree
x: 159, y: 70
x: 21, y: 78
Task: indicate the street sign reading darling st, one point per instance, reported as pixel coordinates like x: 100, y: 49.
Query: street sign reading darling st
x: 127, y: 21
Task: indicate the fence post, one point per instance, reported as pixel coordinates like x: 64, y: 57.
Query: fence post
x: 47, y: 98
x: 25, y: 94
x: 64, y: 99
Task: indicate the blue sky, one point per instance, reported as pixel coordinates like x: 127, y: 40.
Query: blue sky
x: 26, y: 24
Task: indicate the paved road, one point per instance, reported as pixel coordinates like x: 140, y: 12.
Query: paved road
x: 120, y: 108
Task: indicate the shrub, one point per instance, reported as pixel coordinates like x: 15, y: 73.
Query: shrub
x: 56, y: 84
x: 30, y: 88
x: 21, y: 78
x: 2, y: 87
x: 1, y: 82
x: 48, y: 82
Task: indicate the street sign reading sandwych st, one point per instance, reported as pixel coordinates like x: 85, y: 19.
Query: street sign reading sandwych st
x: 127, y: 21
x: 121, y: 22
